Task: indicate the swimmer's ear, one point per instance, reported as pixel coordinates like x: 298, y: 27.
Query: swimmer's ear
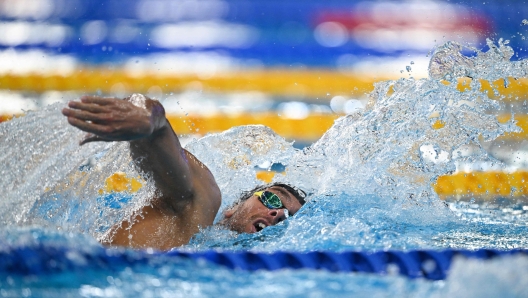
x: 229, y: 212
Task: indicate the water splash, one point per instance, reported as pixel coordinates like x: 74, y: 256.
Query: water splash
x: 371, y: 174
x: 449, y: 63
x: 369, y: 177
x: 412, y: 130
x: 50, y: 181
x: 494, y: 278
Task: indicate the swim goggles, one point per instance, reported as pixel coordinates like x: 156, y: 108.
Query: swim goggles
x: 269, y: 199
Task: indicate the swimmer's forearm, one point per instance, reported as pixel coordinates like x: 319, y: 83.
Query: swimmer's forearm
x: 162, y: 156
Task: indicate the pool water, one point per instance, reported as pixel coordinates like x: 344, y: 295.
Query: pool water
x: 160, y: 276
x: 368, y: 178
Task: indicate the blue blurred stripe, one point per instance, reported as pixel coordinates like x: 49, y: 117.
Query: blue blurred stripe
x: 267, y: 17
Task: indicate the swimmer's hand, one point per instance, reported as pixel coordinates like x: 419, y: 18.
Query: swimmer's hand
x: 111, y: 119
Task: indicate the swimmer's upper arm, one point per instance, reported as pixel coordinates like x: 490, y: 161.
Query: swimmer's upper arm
x: 207, y: 197
x: 182, y: 180
x: 180, y: 177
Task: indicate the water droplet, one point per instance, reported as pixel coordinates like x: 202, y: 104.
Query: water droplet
x: 408, y: 68
x: 412, y: 62
x: 525, y: 22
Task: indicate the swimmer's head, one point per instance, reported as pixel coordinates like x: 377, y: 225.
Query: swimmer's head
x: 263, y: 206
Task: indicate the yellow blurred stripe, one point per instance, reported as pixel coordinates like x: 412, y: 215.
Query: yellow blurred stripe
x: 479, y: 184
x: 522, y: 122
x: 483, y: 184
x: 514, y: 89
x: 310, y: 128
x: 276, y: 82
x: 5, y: 117
x: 314, y: 84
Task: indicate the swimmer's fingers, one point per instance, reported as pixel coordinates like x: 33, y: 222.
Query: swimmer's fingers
x: 86, y: 115
x: 113, y: 119
x: 93, y: 128
x: 89, y: 107
x: 98, y: 100
x: 90, y: 137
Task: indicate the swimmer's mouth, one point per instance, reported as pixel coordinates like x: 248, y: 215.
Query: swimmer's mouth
x: 259, y: 225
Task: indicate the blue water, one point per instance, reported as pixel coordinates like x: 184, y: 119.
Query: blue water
x: 173, y: 277
x: 163, y: 277
x: 341, y: 222
x: 369, y: 179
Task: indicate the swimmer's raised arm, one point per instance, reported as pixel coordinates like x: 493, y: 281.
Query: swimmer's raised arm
x: 190, y: 197
x: 154, y: 145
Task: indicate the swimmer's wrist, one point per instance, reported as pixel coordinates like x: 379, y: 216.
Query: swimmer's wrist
x: 156, y: 115
x: 158, y: 119
x: 161, y: 127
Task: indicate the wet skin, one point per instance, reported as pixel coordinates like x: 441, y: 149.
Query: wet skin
x: 188, y: 197
x: 251, y: 216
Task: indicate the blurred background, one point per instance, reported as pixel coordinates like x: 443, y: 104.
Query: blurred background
x: 292, y: 65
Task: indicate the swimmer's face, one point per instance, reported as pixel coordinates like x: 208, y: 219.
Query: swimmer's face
x: 252, y: 216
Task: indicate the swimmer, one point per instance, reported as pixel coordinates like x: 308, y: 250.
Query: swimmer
x: 187, y: 195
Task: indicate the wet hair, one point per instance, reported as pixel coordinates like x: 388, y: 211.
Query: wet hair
x: 299, y: 194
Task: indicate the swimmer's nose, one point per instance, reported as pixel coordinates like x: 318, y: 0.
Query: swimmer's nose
x: 277, y: 215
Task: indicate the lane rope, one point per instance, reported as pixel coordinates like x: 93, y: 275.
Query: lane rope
x: 429, y: 264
